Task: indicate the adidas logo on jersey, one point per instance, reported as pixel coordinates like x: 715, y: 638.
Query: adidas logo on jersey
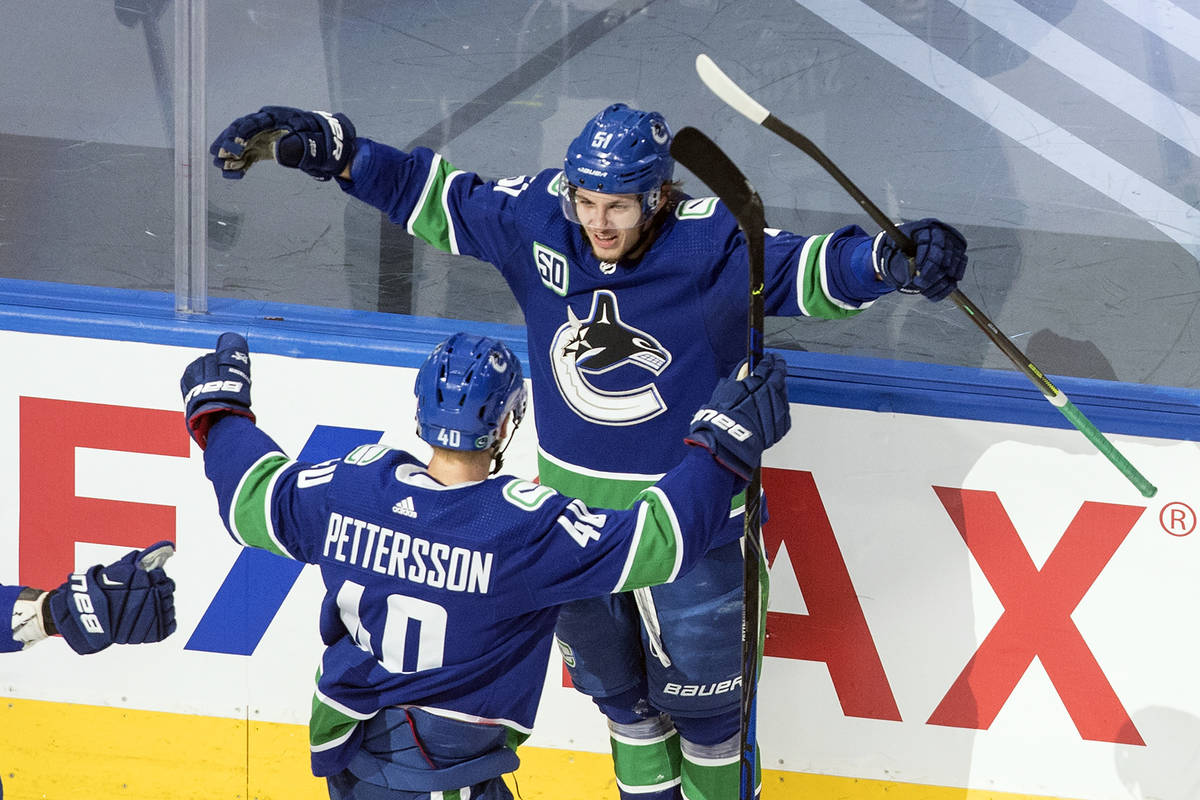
x: 405, y: 508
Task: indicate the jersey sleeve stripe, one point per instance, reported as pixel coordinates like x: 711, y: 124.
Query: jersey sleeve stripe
x: 631, y: 555
x: 250, y: 512
x: 419, y: 207
x: 657, y: 550
x: 801, y: 279
x: 452, y: 237
x: 430, y: 220
x: 812, y: 284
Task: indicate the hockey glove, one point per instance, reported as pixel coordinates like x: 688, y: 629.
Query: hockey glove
x: 315, y: 142
x: 216, y: 384
x: 744, y: 417
x: 130, y: 601
x: 941, y: 259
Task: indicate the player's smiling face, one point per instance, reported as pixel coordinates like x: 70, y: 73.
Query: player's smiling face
x: 611, y: 222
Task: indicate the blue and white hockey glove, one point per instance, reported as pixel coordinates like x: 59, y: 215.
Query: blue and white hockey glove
x: 940, y: 261
x: 130, y: 601
x: 744, y: 417
x: 216, y: 384
x: 315, y: 142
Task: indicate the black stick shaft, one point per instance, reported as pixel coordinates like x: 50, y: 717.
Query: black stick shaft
x: 709, y: 163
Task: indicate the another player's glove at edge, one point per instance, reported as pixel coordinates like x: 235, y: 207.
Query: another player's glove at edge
x: 216, y: 384
x: 744, y: 417
x: 131, y: 601
x: 941, y: 259
x: 315, y: 142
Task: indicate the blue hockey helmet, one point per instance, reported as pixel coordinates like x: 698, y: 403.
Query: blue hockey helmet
x: 620, y: 151
x: 465, y: 389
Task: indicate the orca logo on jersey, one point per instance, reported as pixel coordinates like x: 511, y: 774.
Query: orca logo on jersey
x: 603, y: 343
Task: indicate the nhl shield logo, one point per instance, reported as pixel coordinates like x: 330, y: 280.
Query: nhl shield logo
x: 598, y: 344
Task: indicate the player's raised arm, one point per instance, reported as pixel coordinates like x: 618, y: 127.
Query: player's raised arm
x: 253, y: 478
x: 744, y: 417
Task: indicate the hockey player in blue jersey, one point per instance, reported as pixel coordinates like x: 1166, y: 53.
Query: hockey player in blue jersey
x: 442, y: 584
x: 131, y: 601
x: 635, y: 297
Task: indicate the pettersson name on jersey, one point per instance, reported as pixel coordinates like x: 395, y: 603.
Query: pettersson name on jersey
x: 399, y: 555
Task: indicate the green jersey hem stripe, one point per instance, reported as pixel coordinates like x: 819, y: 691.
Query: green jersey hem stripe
x: 595, y: 491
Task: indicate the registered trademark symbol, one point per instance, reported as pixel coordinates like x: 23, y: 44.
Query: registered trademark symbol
x: 1177, y: 519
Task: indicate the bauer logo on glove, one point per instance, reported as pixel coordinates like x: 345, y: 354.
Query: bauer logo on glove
x: 82, y: 601
x: 719, y: 420
x: 213, y: 386
x: 748, y: 412
x: 217, y: 384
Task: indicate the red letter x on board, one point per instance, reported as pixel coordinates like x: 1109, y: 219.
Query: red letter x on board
x: 1037, y: 616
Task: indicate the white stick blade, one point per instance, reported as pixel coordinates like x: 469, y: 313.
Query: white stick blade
x: 723, y: 87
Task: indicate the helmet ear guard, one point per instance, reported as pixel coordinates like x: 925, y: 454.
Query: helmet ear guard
x: 465, y: 389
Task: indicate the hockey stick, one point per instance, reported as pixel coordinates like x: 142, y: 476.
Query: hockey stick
x: 694, y: 150
x: 735, y: 97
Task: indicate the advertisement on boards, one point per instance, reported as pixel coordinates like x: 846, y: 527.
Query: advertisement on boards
x: 954, y: 603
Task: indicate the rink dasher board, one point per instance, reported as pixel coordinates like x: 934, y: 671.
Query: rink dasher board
x: 872, y: 554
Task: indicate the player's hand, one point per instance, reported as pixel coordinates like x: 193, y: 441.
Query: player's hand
x: 941, y: 259
x: 216, y: 384
x: 130, y: 601
x: 315, y: 142
x: 744, y: 417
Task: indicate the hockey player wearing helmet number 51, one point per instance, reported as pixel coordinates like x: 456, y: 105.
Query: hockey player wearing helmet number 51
x: 441, y: 584
x: 635, y: 299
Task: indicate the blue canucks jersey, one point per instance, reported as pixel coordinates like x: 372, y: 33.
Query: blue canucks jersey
x: 445, y: 597
x: 621, y: 355
x: 8, y: 599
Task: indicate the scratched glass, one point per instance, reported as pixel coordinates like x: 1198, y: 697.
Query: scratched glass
x: 1060, y: 137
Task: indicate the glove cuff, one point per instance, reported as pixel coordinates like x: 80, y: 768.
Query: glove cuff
x: 742, y: 471
x: 882, y: 250
x: 31, y: 620
x: 876, y: 260
x: 202, y: 421
x: 58, y: 612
